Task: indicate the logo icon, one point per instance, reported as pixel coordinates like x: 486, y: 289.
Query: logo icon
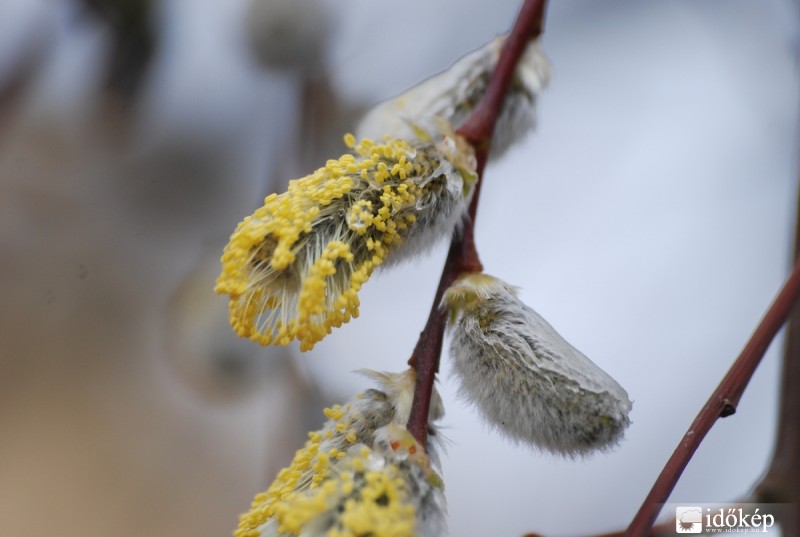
x: 688, y: 520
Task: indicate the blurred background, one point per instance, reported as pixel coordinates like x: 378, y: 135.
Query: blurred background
x: 649, y: 219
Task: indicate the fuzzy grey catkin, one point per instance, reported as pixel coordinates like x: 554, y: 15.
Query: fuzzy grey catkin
x: 524, y: 377
x: 454, y: 93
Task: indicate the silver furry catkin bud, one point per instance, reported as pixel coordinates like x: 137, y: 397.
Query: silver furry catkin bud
x: 525, y: 378
x: 454, y: 94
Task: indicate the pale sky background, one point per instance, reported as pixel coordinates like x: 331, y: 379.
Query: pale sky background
x: 648, y: 219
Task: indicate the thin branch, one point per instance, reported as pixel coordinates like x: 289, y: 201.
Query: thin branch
x: 722, y: 403
x: 463, y: 257
x: 781, y: 484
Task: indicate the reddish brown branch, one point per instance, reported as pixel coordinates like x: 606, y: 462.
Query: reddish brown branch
x: 722, y: 403
x: 479, y: 126
x: 463, y: 257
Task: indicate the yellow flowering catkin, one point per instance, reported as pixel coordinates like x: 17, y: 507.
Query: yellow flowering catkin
x: 363, y: 473
x: 293, y: 268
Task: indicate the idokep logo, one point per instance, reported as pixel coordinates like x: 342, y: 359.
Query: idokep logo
x: 730, y: 518
x: 689, y: 519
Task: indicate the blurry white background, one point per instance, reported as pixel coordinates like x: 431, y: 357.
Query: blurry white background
x: 649, y: 219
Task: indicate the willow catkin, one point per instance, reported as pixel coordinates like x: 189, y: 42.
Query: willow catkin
x: 454, y: 93
x: 293, y: 268
x: 526, y: 379
x: 363, y: 473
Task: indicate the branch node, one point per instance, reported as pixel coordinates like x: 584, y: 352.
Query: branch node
x: 728, y: 409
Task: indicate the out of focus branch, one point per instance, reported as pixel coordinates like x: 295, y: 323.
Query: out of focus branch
x: 15, y: 80
x: 134, y: 41
x: 722, y: 403
x: 463, y: 257
x: 781, y: 484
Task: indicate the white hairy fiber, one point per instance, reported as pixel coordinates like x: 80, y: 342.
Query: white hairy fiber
x: 525, y: 378
x: 399, y: 388
x: 454, y: 93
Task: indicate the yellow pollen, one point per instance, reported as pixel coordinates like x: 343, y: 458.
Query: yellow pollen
x: 294, y: 267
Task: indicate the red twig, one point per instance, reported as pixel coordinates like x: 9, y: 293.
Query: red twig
x: 463, y: 257
x: 722, y: 403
